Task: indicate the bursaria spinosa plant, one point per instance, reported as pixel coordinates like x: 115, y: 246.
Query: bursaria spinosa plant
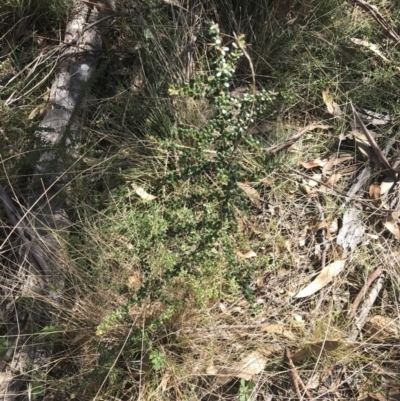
x: 198, y: 192
x: 227, y: 130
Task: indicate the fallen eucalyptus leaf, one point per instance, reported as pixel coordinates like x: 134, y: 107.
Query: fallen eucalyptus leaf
x: 247, y: 255
x: 386, y: 185
x: 332, y: 107
x: 315, y: 349
x: 315, y: 163
x: 392, y: 226
x: 142, y: 193
x: 324, y: 277
x: 252, y: 193
x: 371, y: 46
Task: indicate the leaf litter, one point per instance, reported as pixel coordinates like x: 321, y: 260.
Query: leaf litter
x: 347, y: 230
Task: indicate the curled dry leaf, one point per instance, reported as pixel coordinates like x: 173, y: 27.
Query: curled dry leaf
x: 332, y: 107
x: 375, y: 191
x: 248, y: 255
x: 142, y: 193
x: 334, y: 178
x: 336, y: 159
x: 324, y: 277
x: 278, y: 328
x: 315, y: 349
x: 247, y: 368
x: 252, y: 193
x: 383, y: 327
x: 315, y: 163
x: 392, y: 225
x: 386, y: 185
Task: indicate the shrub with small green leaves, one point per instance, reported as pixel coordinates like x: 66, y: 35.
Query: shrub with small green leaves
x: 225, y: 133
x: 199, y: 190
x: 210, y: 158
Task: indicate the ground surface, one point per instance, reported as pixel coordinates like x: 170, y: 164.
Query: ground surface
x: 204, y: 263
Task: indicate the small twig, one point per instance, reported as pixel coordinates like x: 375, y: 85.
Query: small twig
x: 296, y: 379
x: 361, y: 318
x: 295, y: 137
x: 363, y: 291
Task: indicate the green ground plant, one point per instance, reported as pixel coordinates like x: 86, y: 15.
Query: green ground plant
x: 200, y: 193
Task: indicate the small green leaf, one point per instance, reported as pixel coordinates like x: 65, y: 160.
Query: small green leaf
x: 3, y: 346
